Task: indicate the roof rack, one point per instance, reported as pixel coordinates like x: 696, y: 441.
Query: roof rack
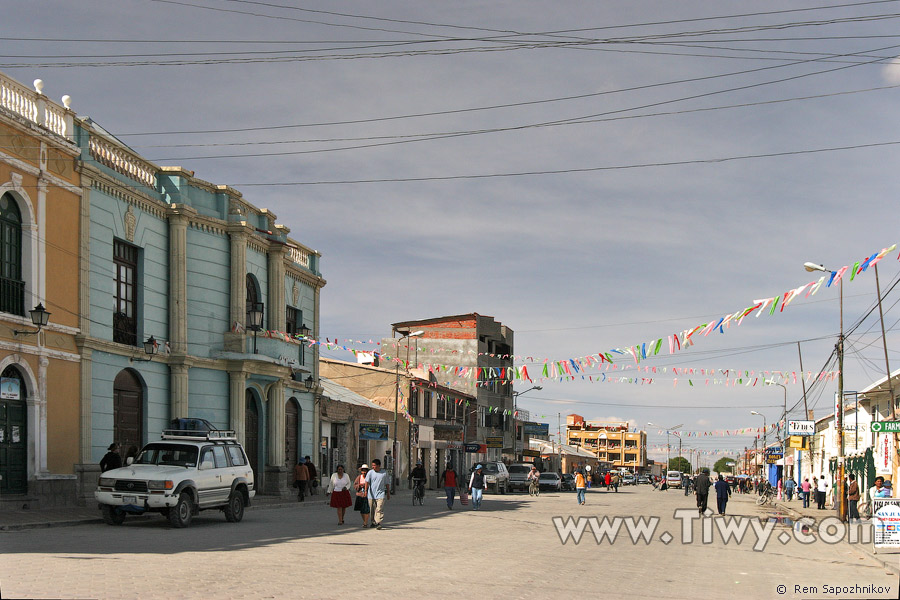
x: 198, y: 435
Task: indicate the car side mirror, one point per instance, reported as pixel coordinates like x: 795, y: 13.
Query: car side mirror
x: 206, y: 464
x: 128, y: 461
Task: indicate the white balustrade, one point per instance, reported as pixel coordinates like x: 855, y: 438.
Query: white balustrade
x: 34, y: 107
x: 299, y: 256
x: 122, y: 161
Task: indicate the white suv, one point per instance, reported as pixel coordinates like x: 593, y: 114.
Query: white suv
x: 183, y: 473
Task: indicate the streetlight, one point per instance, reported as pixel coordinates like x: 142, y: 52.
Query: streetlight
x: 406, y: 335
x: 150, y: 348
x: 784, y: 430
x: 753, y: 412
x: 668, y: 431
x: 254, y: 321
x: 515, y: 413
x: 39, y: 316
x: 839, y: 417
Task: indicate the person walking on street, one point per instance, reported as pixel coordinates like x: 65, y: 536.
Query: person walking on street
x: 313, y: 477
x: 301, y: 479
x: 476, y: 486
x: 805, y: 491
x: 701, y: 488
x: 821, y: 490
x: 111, y: 460
x: 723, y: 491
x: 853, y: 499
x: 580, y: 486
x: 789, y: 486
x: 607, y: 480
x: 448, y: 480
x: 378, y: 485
x: 614, y: 480
x: 339, y: 490
x: 361, y: 504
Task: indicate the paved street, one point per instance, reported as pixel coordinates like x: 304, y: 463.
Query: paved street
x: 510, y: 549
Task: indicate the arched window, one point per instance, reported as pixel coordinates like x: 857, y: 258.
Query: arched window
x: 12, y: 287
x: 254, y: 296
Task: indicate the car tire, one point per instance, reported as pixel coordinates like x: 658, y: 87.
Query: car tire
x: 503, y: 491
x: 234, y: 510
x: 111, y: 516
x: 181, y: 514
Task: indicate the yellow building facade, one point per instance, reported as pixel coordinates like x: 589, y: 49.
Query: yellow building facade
x: 609, y: 442
x: 40, y: 215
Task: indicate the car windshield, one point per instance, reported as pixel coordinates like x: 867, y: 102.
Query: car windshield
x: 491, y: 468
x: 550, y: 476
x: 518, y: 469
x: 168, y: 454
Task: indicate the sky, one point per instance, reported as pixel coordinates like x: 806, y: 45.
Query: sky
x: 592, y: 175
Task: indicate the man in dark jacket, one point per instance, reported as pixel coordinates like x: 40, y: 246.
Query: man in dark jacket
x: 701, y: 488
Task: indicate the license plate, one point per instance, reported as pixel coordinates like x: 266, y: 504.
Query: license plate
x: 129, y: 499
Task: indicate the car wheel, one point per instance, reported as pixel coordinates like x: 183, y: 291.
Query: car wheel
x: 234, y: 510
x: 503, y: 490
x: 181, y: 514
x: 112, y: 516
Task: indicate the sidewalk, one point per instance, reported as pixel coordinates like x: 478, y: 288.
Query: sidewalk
x: 794, y: 509
x: 17, y: 519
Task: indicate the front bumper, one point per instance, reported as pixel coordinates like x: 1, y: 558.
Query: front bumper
x: 136, y: 501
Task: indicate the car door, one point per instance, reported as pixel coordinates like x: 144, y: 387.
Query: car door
x: 208, y: 478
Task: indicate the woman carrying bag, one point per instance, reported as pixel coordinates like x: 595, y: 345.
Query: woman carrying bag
x: 339, y: 490
x: 362, y: 495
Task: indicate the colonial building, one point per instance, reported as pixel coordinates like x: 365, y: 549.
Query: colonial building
x: 193, y: 299
x: 479, y: 346
x: 40, y: 203
x: 610, y: 442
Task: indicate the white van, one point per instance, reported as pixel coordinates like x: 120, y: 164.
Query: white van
x: 673, y: 479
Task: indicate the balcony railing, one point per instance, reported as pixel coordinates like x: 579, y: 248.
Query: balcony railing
x: 12, y: 296
x: 35, y: 107
x: 122, y: 161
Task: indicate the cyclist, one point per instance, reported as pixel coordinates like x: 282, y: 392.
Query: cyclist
x: 418, y: 477
x: 534, y: 478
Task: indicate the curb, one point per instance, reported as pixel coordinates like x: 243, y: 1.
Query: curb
x: 864, y: 549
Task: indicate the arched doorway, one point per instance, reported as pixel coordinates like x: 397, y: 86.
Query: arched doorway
x: 251, y: 435
x: 128, y: 412
x: 292, y: 423
x: 13, y: 429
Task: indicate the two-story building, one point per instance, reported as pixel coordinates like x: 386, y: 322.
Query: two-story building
x: 609, y: 442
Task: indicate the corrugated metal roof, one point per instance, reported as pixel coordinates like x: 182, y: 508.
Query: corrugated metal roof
x: 335, y: 391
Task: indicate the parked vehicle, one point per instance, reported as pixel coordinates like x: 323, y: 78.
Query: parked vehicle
x: 568, y: 482
x: 518, y: 476
x: 185, y: 472
x: 550, y: 482
x: 643, y: 479
x: 496, y: 477
x: 629, y: 480
x: 673, y: 479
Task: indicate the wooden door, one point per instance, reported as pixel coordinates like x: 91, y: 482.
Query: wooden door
x: 251, y: 433
x: 13, y: 438
x: 291, y: 445
x: 128, y: 412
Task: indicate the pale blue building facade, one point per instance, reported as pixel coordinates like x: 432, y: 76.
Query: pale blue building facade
x: 176, y: 261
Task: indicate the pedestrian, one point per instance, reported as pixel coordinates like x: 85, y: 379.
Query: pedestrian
x: 805, y: 491
x: 111, y: 460
x: 313, y: 477
x: 301, y: 479
x: 476, y: 486
x: 789, y: 487
x: 821, y: 490
x: 615, y: 481
x: 686, y: 483
x: 852, y: 499
x: 361, y: 504
x: 723, y: 491
x: 580, y: 486
x: 450, y: 483
x: 378, y: 485
x: 607, y: 480
x: 339, y: 490
x: 886, y: 490
x: 701, y: 489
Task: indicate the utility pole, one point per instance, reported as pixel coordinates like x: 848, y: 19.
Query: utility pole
x: 890, y: 383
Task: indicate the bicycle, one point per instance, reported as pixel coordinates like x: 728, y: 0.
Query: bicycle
x: 765, y: 496
x: 418, y: 492
x: 534, y: 488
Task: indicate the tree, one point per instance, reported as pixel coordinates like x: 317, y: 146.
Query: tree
x: 724, y: 465
x: 679, y: 463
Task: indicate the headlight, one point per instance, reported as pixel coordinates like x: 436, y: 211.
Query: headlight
x: 160, y: 484
x: 107, y: 482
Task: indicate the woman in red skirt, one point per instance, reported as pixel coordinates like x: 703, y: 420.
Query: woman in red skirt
x: 339, y: 489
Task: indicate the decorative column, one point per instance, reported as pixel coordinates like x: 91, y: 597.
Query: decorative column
x: 276, y: 477
x: 179, y: 217
x: 277, y: 306
x: 237, y: 389
x: 238, y: 234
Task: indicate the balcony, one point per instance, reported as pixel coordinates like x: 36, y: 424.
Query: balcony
x: 33, y: 106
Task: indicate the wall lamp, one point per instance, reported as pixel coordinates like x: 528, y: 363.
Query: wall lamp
x: 39, y: 316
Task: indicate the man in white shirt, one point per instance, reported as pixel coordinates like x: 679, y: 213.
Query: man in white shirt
x: 821, y: 490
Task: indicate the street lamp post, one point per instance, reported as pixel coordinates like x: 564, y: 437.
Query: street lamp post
x: 668, y: 431
x: 784, y: 428
x: 839, y: 417
x: 753, y: 412
x: 394, y: 453
x: 516, y: 418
